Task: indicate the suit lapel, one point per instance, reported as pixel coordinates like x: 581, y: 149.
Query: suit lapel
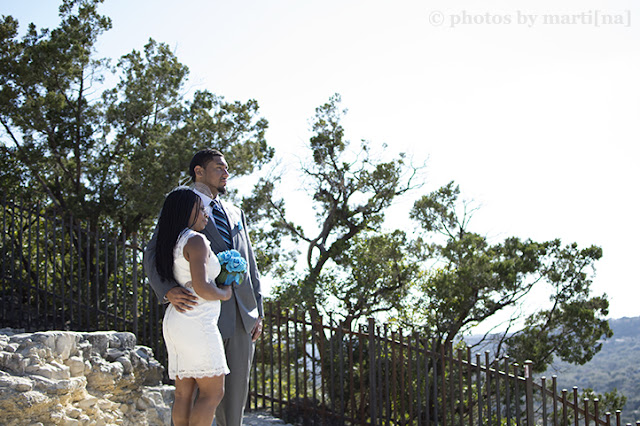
x: 227, y: 211
x: 232, y: 220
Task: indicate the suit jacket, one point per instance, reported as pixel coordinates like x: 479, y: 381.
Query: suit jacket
x: 246, y: 297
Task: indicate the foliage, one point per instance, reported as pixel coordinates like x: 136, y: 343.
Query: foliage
x: 101, y: 153
x: 111, y: 153
x: 477, y: 280
x: 349, y: 196
x: 266, y: 214
x: 50, y: 124
x: 381, y: 272
x: 613, y: 370
x: 609, y: 402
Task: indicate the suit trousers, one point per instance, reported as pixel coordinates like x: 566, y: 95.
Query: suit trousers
x: 239, y: 349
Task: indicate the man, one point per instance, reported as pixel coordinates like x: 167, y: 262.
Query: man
x: 240, y: 321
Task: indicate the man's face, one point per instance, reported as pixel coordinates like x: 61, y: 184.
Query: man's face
x: 214, y: 175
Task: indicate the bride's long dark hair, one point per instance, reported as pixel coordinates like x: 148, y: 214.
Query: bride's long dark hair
x: 174, y: 218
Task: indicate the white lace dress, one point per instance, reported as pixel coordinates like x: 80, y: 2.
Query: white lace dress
x: 194, y: 344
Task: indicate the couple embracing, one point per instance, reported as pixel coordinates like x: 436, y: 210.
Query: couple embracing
x: 209, y: 328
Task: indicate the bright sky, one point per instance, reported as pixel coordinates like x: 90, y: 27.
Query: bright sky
x: 532, y: 107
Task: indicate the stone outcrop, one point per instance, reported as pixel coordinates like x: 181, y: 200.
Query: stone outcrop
x: 73, y: 378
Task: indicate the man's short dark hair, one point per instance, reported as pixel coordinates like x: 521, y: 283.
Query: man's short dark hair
x: 201, y: 158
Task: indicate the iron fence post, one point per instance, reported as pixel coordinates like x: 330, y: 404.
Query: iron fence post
x: 134, y: 278
x: 372, y: 373
x: 528, y: 391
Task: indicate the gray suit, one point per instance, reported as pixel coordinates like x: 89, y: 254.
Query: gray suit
x: 238, y: 315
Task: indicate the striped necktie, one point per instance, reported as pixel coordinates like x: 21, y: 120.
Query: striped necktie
x: 222, y: 224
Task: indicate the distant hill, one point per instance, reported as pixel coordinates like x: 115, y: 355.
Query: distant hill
x: 617, y: 365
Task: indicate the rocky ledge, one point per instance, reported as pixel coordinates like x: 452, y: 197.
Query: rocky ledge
x: 73, y: 378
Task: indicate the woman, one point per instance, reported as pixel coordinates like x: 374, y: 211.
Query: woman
x: 193, y: 341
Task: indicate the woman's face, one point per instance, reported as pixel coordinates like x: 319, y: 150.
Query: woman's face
x: 198, y: 217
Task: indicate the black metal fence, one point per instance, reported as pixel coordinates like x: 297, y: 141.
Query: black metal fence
x: 62, y: 274
x: 309, y: 371
x: 59, y: 273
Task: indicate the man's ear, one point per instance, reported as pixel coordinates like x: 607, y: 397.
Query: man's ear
x: 199, y: 171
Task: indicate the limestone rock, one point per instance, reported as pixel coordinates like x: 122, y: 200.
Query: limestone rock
x: 73, y: 378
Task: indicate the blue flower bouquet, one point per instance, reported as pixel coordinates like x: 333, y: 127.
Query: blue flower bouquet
x: 233, y: 268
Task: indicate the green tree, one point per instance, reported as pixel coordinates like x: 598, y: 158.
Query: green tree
x: 51, y: 123
x: 352, y: 269
x: 609, y: 402
x: 157, y: 132
x: 476, y: 280
x: 108, y: 154
x: 381, y: 268
x: 347, y: 254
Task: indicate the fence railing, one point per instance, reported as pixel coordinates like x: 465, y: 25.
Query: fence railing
x: 322, y: 372
x: 59, y: 273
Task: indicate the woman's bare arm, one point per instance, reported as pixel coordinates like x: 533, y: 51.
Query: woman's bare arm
x: 196, y: 251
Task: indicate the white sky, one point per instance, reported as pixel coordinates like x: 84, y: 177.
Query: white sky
x: 538, y: 123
